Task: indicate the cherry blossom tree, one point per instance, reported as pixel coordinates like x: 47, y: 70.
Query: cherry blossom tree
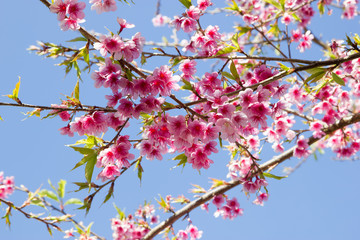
x: 240, y: 92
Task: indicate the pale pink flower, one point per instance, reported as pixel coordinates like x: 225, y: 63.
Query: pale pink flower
x: 203, y: 4
x: 193, y: 12
x: 160, y: 20
x: 69, y: 23
x: 194, y: 232
x: 218, y: 200
x: 103, y: 5
x: 109, y: 173
x: 188, y: 24
x: 123, y: 24
x: 75, y: 9
x: 60, y: 8
x: 286, y: 19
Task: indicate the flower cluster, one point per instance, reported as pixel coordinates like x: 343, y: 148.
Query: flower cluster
x: 227, y: 208
x: 103, y: 5
x: 114, y: 158
x: 191, y: 232
x: 129, y: 50
x: 7, y: 186
x: 134, y: 228
x: 70, y: 13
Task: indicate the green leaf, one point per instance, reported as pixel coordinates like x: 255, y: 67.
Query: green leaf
x: 78, y: 71
x: 73, y: 201
x: 76, y: 90
x: 110, y: 193
x: 234, y: 40
x: 274, y: 3
x: 296, y: 17
x: 225, y: 50
x: 283, y: 67
x: 78, y: 39
x: 315, y: 70
x: 187, y: 85
x: 61, y: 188
x: 175, y: 61
x: 15, y: 94
x: 121, y: 213
x: 186, y: 3
x: 315, y: 77
x: 269, y: 175
x: 48, y: 194
x: 86, y: 159
x: 89, y: 168
x: 321, y: 7
x: 228, y: 75
x: 243, y: 30
x: 139, y: 168
x: 83, y: 151
x: 233, y: 71
x: 182, y: 158
x: 357, y: 39
x: 82, y: 185
x: 338, y: 79
x: 85, y: 54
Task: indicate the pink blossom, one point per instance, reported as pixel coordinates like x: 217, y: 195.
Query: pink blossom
x: 286, y: 19
x: 160, y: 20
x: 251, y: 187
x: 203, y: 4
x: 199, y: 159
x: 60, y: 8
x: 306, y: 40
x: 261, y: 198
x: 75, y: 9
x: 301, y: 150
x: 188, y: 24
x: 103, y: 5
x: 188, y: 68
x: 250, y: 19
x: 123, y: 24
x: 108, y: 173
x: 66, y: 131
x: 218, y: 200
x: 296, y: 35
x: 163, y: 81
x: 194, y: 232
x: 69, y: 23
x: 182, y: 235
x: 193, y: 12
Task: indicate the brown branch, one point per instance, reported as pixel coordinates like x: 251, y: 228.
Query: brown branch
x: 224, y: 188
x: 88, y: 109
x: 30, y: 215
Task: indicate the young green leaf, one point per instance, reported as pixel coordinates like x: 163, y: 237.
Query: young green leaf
x: 338, y: 79
x: 225, y: 50
x: 73, y: 201
x: 48, y: 194
x: 269, y: 175
x: 186, y: 3
x: 61, y: 188
x: 15, y: 94
x: 233, y: 71
x: 78, y: 39
x: 89, y: 168
x: 76, y: 90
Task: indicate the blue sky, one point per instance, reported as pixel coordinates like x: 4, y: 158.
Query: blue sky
x: 318, y: 201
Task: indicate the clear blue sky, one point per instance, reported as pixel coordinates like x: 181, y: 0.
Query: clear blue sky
x: 319, y: 201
